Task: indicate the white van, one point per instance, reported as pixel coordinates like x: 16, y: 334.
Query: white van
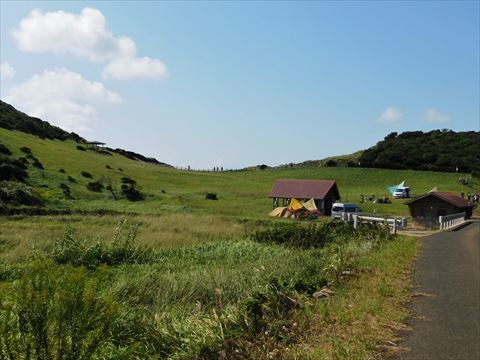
x: 403, y: 192
x: 339, y: 208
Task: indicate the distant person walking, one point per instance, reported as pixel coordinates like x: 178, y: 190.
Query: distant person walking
x: 475, y: 198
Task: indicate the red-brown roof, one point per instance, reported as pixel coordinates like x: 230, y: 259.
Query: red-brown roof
x: 303, y: 189
x: 447, y: 196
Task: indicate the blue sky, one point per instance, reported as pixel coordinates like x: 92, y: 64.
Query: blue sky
x: 243, y: 83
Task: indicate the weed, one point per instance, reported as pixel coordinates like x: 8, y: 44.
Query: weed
x: 211, y: 196
x: 4, y: 150
x: 26, y: 150
x: 95, y: 186
x: 124, y: 249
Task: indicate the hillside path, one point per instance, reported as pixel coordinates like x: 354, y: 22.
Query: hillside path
x: 447, y: 320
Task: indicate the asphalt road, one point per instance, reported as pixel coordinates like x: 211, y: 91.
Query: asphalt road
x: 447, y: 323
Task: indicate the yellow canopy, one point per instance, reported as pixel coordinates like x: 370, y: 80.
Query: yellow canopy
x: 310, y: 205
x: 277, y: 212
x: 295, y: 204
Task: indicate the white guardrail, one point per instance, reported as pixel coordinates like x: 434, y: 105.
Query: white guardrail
x: 394, y: 223
x: 449, y: 221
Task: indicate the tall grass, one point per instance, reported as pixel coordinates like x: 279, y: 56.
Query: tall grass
x: 204, y: 301
x: 19, y: 235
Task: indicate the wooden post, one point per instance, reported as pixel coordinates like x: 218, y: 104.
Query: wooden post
x: 394, y: 225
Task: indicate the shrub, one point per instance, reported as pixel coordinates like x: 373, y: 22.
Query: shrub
x: 62, y: 171
x: 36, y: 163
x: 331, y: 163
x: 132, y: 192
x: 54, y: 313
x: 123, y: 249
x: 71, y: 179
x: 294, y: 234
x: 11, y: 169
x: 86, y: 174
x: 108, y: 166
x: 26, y: 150
x: 262, y: 167
x: 81, y: 148
x: 66, y: 191
x: 127, y: 180
x: 16, y: 193
x: 120, y: 169
x: 95, y: 186
x: 4, y: 150
x: 211, y: 196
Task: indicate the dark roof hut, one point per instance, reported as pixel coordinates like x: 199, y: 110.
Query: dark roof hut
x: 324, y: 192
x: 427, y: 208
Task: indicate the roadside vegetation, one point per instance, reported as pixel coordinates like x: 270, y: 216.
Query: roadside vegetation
x: 252, y: 296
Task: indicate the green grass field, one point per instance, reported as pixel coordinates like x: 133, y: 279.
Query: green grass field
x: 241, y: 193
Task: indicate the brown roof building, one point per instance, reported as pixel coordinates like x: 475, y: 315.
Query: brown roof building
x: 324, y: 192
x: 427, y: 208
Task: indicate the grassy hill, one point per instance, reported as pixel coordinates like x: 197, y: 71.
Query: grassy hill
x: 241, y: 193
x: 177, y: 276
x: 350, y: 160
x: 437, y: 150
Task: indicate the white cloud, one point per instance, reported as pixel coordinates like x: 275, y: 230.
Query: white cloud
x: 61, y: 97
x: 6, y: 71
x: 390, y: 115
x: 434, y: 116
x: 138, y: 68
x: 85, y: 36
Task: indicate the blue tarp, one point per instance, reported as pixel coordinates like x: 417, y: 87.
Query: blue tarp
x: 392, y: 189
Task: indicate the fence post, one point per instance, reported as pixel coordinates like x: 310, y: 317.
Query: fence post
x: 394, y: 225
x: 440, y: 220
x: 355, y: 221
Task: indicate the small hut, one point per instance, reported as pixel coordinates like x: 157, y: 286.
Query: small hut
x: 427, y: 208
x: 323, y: 192
x: 95, y: 145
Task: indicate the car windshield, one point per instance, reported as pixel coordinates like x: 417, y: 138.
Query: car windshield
x: 337, y: 208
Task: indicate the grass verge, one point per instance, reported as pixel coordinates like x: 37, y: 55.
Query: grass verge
x: 362, y: 320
